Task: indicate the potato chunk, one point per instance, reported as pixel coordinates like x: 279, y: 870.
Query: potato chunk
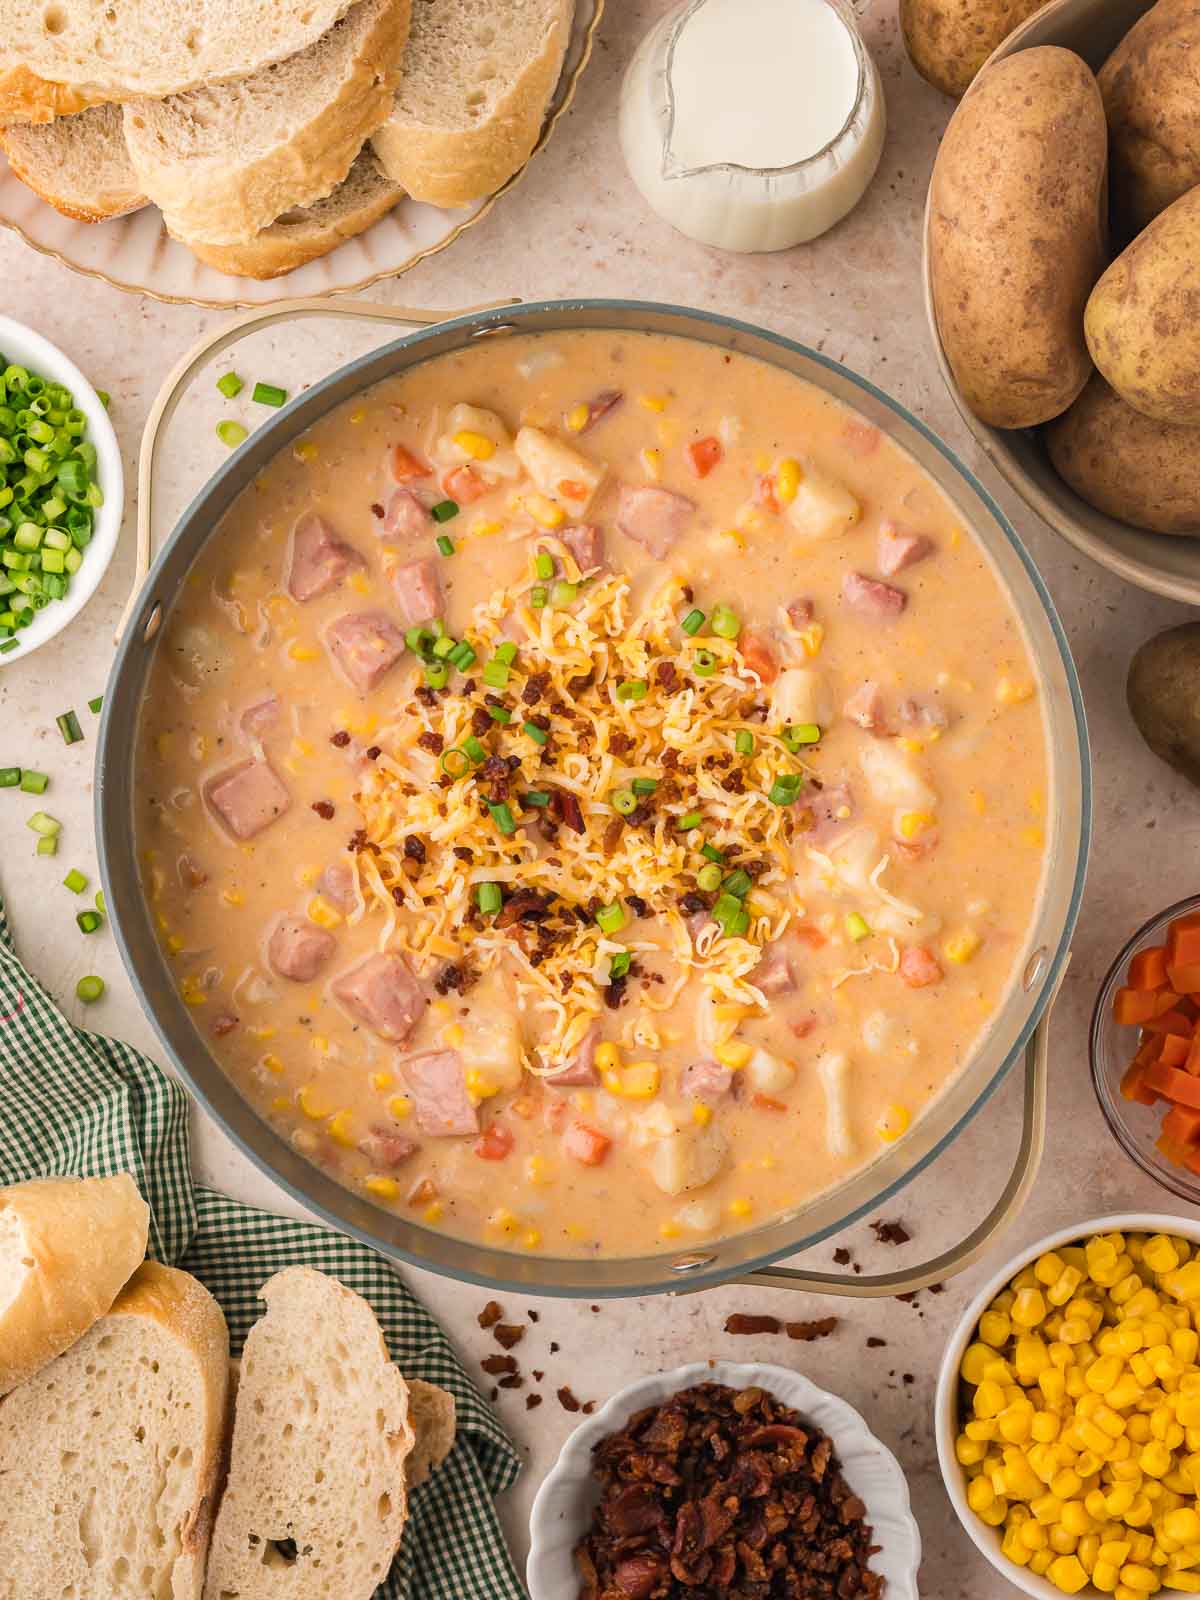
x: 823, y: 508
x: 564, y: 475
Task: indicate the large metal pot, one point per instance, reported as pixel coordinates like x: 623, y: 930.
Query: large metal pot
x: 1067, y: 827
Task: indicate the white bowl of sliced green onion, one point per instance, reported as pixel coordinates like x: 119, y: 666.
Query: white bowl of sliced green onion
x: 62, y: 491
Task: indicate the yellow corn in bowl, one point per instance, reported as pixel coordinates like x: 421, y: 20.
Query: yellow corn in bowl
x: 1068, y: 1412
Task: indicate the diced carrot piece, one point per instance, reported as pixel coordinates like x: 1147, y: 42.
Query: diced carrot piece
x: 1133, y: 1086
x: 1164, y: 1000
x: 1183, y: 942
x: 1171, y: 1022
x: 1192, y: 1163
x: 405, y: 465
x: 1182, y: 1125
x: 812, y: 937
x: 1175, y: 1050
x: 586, y: 1145
x: 496, y: 1143
x: 703, y: 455
x: 919, y: 967
x: 1148, y: 969
x: 764, y: 1102
x: 764, y: 493
x: 1178, y: 1086
x: 1184, y: 977
x: 757, y: 655
x: 1151, y: 1049
x: 1193, y: 1060
x: 1177, y: 1154
x: 1132, y: 1005
x: 464, y: 485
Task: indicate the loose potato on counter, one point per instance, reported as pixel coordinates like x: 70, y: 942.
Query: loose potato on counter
x: 1163, y: 690
x: 949, y: 40
x: 1017, y: 230
x: 1143, y: 317
x: 1151, y: 90
x: 1130, y: 467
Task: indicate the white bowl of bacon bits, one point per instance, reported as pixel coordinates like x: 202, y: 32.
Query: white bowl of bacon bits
x: 724, y: 1477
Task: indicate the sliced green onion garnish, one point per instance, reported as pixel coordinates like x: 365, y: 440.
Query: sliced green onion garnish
x: 89, y: 989
x: 42, y: 822
x: 644, y: 785
x: 445, y: 544
x: 704, y: 663
x: 739, y: 883
x: 463, y: 656
x: 231, y: 434
x: 444, y: 510
x: 536, y: 798
x: 726, y: 907
x: 744, y: 743
x: 88, y: 921
x: 856, y: 927
x: 503, y: 817
x: 474, y: 749
x: 100, y: 906
x: 543, y: 564
x: 500, y: 714
x: 95, y: 705
x: 104, y: 397
x: 711, y: 853
x: 801, y: 733
x: 538, y: 735
x: 623, y: 801
x: 68, y: 726
x: 437, y: 674
x: 489, y: 898
x: 47, y: 845
x: 268, y: 394
x: 562, y: 593
x: 537, y: 597
x: 455, y: 763
x: 725, y: 622
x: 611, y: 919
x: 495, y: 674
x: 709, y: 878
x: 633, y: 689
x: 7, y: 645
x: 75, y: 881
x: 506, y: 652
x: 34, y: 782
x: 443, y: 647
x: 693, y: 819
x: 230, y: 385
x: 619, y: 966
x: 785, y: 789
x: 10, y: 777
x: 693, y: 622
x: 419, y: 639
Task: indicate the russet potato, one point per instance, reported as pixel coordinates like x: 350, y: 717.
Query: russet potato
x: 1163, y: 692
x: 949, y: 40
x: 1143, y: 317
x: 1017, y: 234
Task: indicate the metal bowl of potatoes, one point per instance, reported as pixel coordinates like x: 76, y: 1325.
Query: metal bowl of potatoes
x: 1165, y: 564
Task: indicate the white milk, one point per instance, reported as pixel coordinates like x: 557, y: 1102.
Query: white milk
x: 753, y: 124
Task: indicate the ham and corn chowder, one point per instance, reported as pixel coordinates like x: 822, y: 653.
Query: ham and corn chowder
x: 592, y: 793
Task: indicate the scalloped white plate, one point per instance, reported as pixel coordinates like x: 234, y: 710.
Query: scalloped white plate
x: 563, y: 1508
x: 137, y: 253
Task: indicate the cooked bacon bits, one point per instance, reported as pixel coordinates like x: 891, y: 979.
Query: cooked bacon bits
x: 494, y: 1365
x: 491, y: 1314
x: 323, y: 808
x: 508, y: 1334
x: 566, y: 1399
x: 742, y: 1324
x: 723, y: 1491
x: 891, y: 1232
x: 821, y: 1328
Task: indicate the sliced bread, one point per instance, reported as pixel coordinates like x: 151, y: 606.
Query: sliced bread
x: 58, y: 56
x: 67, y: 1247
x: 473, y: 95
x: 315, y: 1502
x: 79, y: 164
x: 109, y: 1456
x: 310, y: 231
x: 433, y: 1416
x: 222, y: 163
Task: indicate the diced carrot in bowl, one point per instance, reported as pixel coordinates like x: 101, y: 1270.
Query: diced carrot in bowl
x: 1183, y: 942
x: 1175, y: 1050
x: 1170, y: 1022
x: 1174, y: 1085
x: 1182, y: 1125
x: 1184, y: 977
x: 1133, y: 1005
x: 1133, y: 1086
x: 1148, y: 969
x: 1165, y: 1000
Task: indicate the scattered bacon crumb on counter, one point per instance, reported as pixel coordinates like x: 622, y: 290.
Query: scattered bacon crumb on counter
x: 740, y: 1323
x: 724, y: 1492
x: 891, y: 1232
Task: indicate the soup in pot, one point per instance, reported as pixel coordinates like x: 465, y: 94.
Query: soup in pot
x: 592, y: 792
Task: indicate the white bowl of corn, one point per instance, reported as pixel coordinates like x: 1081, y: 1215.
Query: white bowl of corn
x: 1068, y: 1412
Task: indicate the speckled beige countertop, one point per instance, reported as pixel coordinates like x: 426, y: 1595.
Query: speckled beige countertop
x: 577, y: 226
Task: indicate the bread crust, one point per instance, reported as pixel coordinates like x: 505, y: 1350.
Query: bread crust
x: 26, y: 98
x: 85, y: 1236
x: 115, y: 199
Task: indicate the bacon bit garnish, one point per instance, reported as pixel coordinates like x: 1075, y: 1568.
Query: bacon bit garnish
x: 803, y: 1026
x: 821, y: 1328
x: 764, y: 1102
x: 565, y: 808
x: 566, y: 1399
x: 532, y: 1401
x: 495, y: 1365
x: 376, y: 509
x: 422, y: 1193
x: 341, y: 738
x: 508, y: 1334
x: 703, y: 455
x: 513, y: 1381
x: 323, y: 808
x: 433, y: 742
x: 742, y: 1323
x: 490, y: 1315
x: 404, y: 465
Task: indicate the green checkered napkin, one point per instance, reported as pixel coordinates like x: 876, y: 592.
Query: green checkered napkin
x: 76, y: 1103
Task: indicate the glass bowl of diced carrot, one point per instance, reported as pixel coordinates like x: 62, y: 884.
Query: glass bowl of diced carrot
x: 1145, y: 1048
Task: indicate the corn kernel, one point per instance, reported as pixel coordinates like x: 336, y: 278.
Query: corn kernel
x: 383, y: 1188
x: 788, y: 477
x: 476, y: 445
x: 1142, y: 1580
x: 651, y: 460
x: 400, y: 1106
x: 479, y: 1085
x: 607, y: 1056
x: 301, y: 652
x: 433, y: 1212
x: 894, y: 1123
x: 323, y: 912
x: 961, y: 947
x: 1010, y: 693
x: 652, y: 402
x: 1067, y: 1574
x: 740, y: 1207
x: 313, y: 1104
x: 701, y: 1114
x: 453, y: 1035
x: 577, y: 417
x: 544, y: 511
x: 382, y: 1081
x: 994, y: 1328
x: 733, y: 1054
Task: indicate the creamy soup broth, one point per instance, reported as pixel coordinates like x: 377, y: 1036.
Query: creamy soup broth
x: 716, y: 896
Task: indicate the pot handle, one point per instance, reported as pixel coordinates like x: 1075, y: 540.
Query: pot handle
x: 181, y: 374
x: 907, y: 1280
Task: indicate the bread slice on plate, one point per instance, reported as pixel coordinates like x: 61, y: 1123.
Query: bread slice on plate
x: 223, y: 162
x: 109, y: 1456
x: 58, y: 56
x: 473, y: 96
x: 307, y: 232
x: 79, y: 164
x: 315, y: 1501
x: 67, y: 1246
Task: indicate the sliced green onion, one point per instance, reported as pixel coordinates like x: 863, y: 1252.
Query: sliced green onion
x: 445, y: 544
x: 47, y: 845
x: 75, y: 881
x: 562, y: 593
x: 104, y: 397
x: 693, y: 622
x: 711, y: 853
x: 744, y: 743
x: 611, y: 919
x: 709, y: 878
x: 693, y: 819
x: 801, y: 733
x: 785, y: 789
x: 455, y: 763
x: 633, y: 689
x: 419, y: 639
x: 506, y: 652
x: 495, y: 674
x: 437, y: 674
x: 444, y: 510
x: 88, y: 921
x: 89, y: 989
x: 268, y: 394
x: 503, y: 817
x: 100, y: 906
x: 623, y: 801
x: 42, y: 822
x: 7, y: 645
x: 726, y: 908
x: 538, y: 735
x: 644, y: 785
x: 443, y: 647
x: 500, y: 714
x: 95, y: 705
x: 230, y: 385
x: 538, y: 597
x: 544, y: 564
x: 536, y: 798
x: 739, y: 883
x: 725, y: 622
x: 231, y: 434
x: 856, y: 927
x: 489, y: 898
x: 474, y: 749
x: 10, y: 777
x: 463, y: 656
x: 704, y: 663
x: 68, y: 726
x: 619, y: 966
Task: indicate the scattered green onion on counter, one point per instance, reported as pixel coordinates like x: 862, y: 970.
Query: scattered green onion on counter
x: 268, y: 394
x: 96, y: 704
x: 34, y: 782
x: 43, y: 823
x: 232, y: 434
x: 88, y: 921
x: 68, y: 726
x: 230, y: 385
x: 75, y: 881
x: 90, y: 989
x: 10, y: 777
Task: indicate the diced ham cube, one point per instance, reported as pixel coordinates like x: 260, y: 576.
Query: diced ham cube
x: 923, y: 716
x: 861, y: 438
x: 865, y: 706
x: 387, y: 1149
x: 706, y: 1080
x: 406, y: 517
x: 581, y: 1073
x: 832, y: 808
x: 497, y: 1142
x: 919, y: 967
x: 248, y: 798
x: 774, y: 974
x: 366, y: 645
x: 298, y: 949
x: 319, y: 559
x: 260, y: 717
x: 418, y: 591
x: 383, y: 993
x: 438, y: 1086
x: 899, y: 549
x: 586, y: 544
x: 870, y: 598
x: 800, y: 612
x: 653, y: 518
x: 336, y: 883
